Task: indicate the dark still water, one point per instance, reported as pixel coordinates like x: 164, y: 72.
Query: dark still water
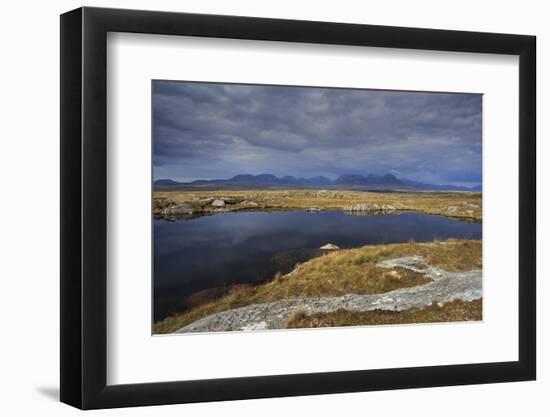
x: 250, y: 247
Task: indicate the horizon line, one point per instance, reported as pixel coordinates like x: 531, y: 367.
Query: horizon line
x: 451, y: 183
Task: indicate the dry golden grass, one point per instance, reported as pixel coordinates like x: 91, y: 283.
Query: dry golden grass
x: 452, y: 204
x: 297, y: 315
x: 456, y: 310
x: 339, y: 273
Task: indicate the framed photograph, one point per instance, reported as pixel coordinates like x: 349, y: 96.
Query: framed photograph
x: 257, y: 208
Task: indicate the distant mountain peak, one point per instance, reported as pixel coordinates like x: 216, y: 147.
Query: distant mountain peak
x: 347, y: 181
x: 370, y: 179
x: 390, y: 178
x: 242, y: 177
x: 267, y: 177
x: 165, y: 181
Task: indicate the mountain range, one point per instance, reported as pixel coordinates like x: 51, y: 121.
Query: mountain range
x: 348, y: 182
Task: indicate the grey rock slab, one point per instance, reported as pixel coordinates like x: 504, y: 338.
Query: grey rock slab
x: 218, y: 203
x: 178, y: 209
x: 445, y: 286
x: 330, y: 246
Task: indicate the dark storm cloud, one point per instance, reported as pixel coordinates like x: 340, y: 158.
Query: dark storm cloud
x: 210, y: 131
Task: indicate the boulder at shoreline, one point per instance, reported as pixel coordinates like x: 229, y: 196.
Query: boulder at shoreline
x: 329, y: 246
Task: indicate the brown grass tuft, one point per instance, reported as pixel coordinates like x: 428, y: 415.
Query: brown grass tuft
x: 298, y: 315
x: 457, y: 310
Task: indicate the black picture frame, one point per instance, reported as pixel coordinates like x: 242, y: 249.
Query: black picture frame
x: 84, y: 207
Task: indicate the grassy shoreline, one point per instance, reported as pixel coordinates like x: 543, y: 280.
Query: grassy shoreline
x: 339, y: 273
x: 459, y: 204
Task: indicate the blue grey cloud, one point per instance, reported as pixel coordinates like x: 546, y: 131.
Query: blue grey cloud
x: 207, y: 130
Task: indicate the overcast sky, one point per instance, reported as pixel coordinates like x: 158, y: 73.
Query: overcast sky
x: 208, y: 131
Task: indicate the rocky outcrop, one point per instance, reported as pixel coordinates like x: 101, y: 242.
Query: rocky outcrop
x: 178, y: 209
x: 329, y: 246
x: 464, y: 209
x: 444, y: 286
x: 369, y: 207
x: 218, y: 203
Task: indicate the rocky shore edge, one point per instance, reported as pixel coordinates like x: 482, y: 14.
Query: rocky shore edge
x: 444, y: 286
